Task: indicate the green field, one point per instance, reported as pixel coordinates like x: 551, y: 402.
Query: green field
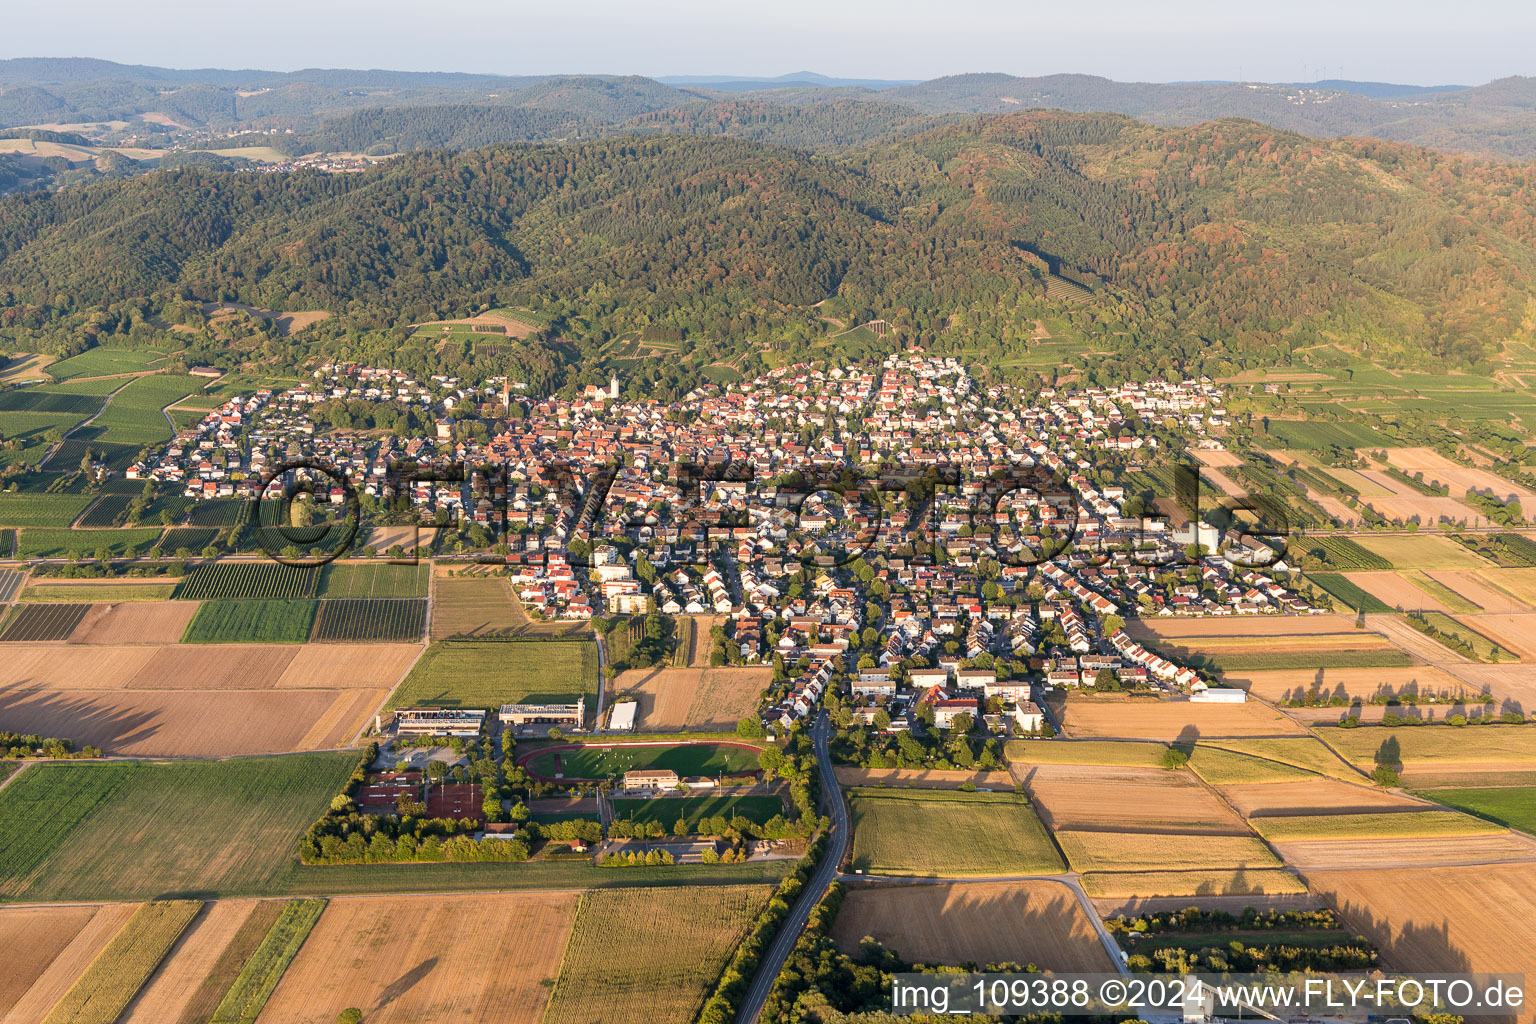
x: 1413, y: 745
x: 666, y: 810
x: 100, y: 362
x: 1338, y: 553
x: 134, y: 414
x: 1309, y: 435
x: 247, y: 580
x: 1386, y: 825
x: 487, y: 674
x: 36, y: 543
x: 274, y: 621
x: 1110, y: 752
x: 941, y: 833
x: 258, y: 979
x: 1483, y: 647
x: 1153, y: 851
x: 30, y: 430
x: 1264, y: 661
x: 1347, y: 593
x: 1226, y: 768
x: 340, y: 579
x: 1514, y: 806
x: 133, y: 830
x: 594, y: 762
x: 1304, y: 752
x: 1442, y: 593
x: 42, y: 509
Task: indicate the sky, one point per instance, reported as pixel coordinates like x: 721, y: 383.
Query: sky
x: 1408, y: 41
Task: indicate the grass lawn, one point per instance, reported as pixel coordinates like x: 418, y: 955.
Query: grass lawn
x: 1421, y: 551
x: 487, y: 674
x: 594, y: 762
x: 1514, y: 806
x: 1110, y: 752
x: 1412, y: 745
x: 1386, y: 825
x: 272, y: 621
x: 667, y: 810
x: 941, y: 833
x: 134, y: 830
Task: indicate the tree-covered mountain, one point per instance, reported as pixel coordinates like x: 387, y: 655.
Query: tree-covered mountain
x: 1220, y: 245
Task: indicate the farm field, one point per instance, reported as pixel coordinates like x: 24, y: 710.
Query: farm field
x: 1519, y: 584
x: 253, y: 986
x: 1471, y: 586
x: 38, y: 935
x: 45, y: 510
x: 1371, y: 825
x: 920, y: 778
x: 1514, y: 806
x: 1348, y: 592
x: 34, y: 986
x: 692, y: 698
x: 270, y: 621
x: 76, y: 831
x: 639, y: 956
x: 1397, y: 590
x: 374, y: 579
x: 1224, y: 767
x: 1248, y: 627
x: 42, y: 543
x: 349, y: 666
x: 1151, y: 851
x: 194, y: 960
x: 1350, y: 683
x: 1106, y: 752
x: 1440, y: 744
x: 39, y: 623
x: 1210, y: 882
x: 383, y: 538
x: 1306, y: 752
x: 133, y: 415
x: 110, y: 592
x: 10, y: 579
x: 476, y: 606
x: 1420, y: 551
x: 1088, y: 797
x: 225, y: 580
x: 924, y: 832
x: 122, y: 968
x: 491, y: 673
x: 101, y: 362
x: 1515, y: 633
x: 1447, y: 597
x: 1167, y: 721
x: 379, y: 620
x: 1425, y: 919
x: 667, y: 810
x: 1349, y: 854
x: 1461, y: 479
x: 1313, y: 796
x: 138, y: 622
x: 452, y: 948
x: 1037, y: 922
x: 591, y: 761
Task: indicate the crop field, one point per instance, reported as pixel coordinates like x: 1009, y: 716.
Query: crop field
x: 1308, y: 436
x: 640, y: 956
x: 133, y: 415
x: 667, y: 810
x: 1107, y: 752
x: 1307, y: 752
x: 191, y: 539
x: 101, y: 362
x: 42, y: 985
x: 591, y: 761
x: 1224, y: 767
x: 349, y: 666
x: 38, y: 936
x: 58, y: 510
x: 1167, y: 851
x: 35, y: 543
x: 1088, y: 797
x: 271, y: 621
x: 1186, y: 630
x: 175, y: 992
x: 1348, y: 593
x: 1347, y: 854
x: 477, y: 606
x: 374, y: 579
x: 136, y: 622
x: 1311, y: 796
x: 116, y: 457
x: 1209, y: 882
x: 1519, y: 584
x: 35, y: 623
x: 1460, y: 478
x: 487, y: 674
x: 1167, y: 721
x: 32, y: 400
x: 408, y: 538
x: 931, y: 832
x: 217, y: 513
x: 1338, y: 553
x: 1368, y: 825
x: 11, y: 580
x: 1023, y: 923
x: 254, y: 985
x: 225, y: 580
x: 692, y: 698
x: 1516, y: 633
x: 1514, y: 806
x: 452, y: 948
x: 1437, y: 744
x: 920, y: 778
x: 1420, y: 551
x: 1409, y: 590
x: 1350, y: 683
x: 116, y: 976
x: 1425, y: 918
x: 379, y: 620
x: 77, y: 831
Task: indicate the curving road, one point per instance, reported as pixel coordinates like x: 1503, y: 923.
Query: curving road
x: 815, y: 887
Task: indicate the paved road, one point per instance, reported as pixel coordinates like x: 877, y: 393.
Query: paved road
x: 815, y: 888
x: 602, y: 678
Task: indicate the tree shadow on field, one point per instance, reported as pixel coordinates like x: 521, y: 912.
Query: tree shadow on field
x: 403, y: 984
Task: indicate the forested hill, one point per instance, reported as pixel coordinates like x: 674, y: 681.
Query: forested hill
x: 1228, y: 242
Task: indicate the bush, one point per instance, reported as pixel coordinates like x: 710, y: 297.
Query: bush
x: 351, y: 1015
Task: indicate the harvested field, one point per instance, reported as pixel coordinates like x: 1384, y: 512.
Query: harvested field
x: 102, y: 668
x: 1395, y: 592
x: 1472, y: 586
x: 677, y: 698
x: 1306, y: 752
x: 122, y: 968
x: 42, y: 623
x: 1516, y: 633
x: 1348, y: 854
x: 383, y: 538
x: 190, y: 961
x: 1247, y: 627
x: 1153, y: 884
x: 1441, y: 744
x: 1422, y: 551
x: 136, y: 622
x: 1348, y: 683
x: 1225, y: 767
x: 642, y: 956
x: 260, y: 975
x: 920, y: 778
x: 203, y: 997
x: 215, y: 667
x: 350, y: 666
x: 1459, y: 478
x: 922, y: 832
x: 1149, y: 851
x: 1408, y: 506
x: 452, y: 949
x: 1439, y: 919
x: 1091, y: 797
x: 476, y: 606
x: 75, y: 957
x: 35, y: 936
x: 1039, y: 923
x: 1217, y: 458
x: 1022, y: 752
x: 1167, y: 721
x: 1371, y: 825
x: 1285, y: 799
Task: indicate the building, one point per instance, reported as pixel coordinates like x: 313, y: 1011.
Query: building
x: 1028, y: 716
x: 622, y: 717
x: 543, y: 714
x: 463, y: 722
x: 650, y: 778
x: 1219, y: 695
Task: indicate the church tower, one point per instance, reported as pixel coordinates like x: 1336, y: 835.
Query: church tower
x: 613, y: 387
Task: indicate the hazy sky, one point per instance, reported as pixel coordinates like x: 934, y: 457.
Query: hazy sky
x: 1411, y: 41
